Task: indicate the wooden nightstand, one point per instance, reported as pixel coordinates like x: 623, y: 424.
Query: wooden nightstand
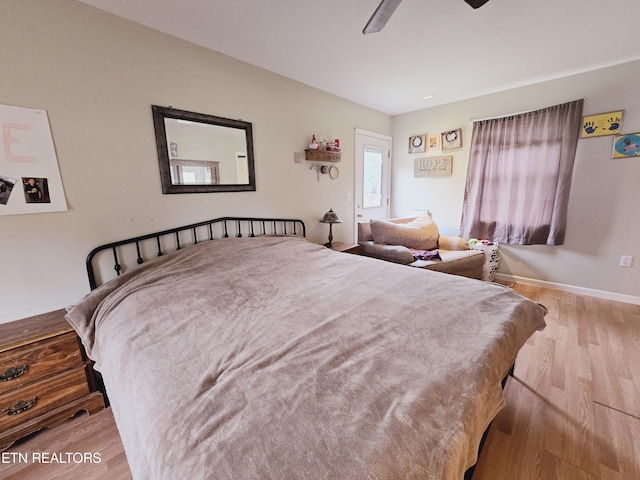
x: 45, y: 377
x: 346, y: 247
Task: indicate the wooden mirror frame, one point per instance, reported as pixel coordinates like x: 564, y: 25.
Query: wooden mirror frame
x: 159, y: 116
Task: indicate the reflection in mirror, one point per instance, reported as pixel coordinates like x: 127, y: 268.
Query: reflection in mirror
x: 202, y: 153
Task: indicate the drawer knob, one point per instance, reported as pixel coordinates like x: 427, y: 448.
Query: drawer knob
x: 21, y: 406
x: 13, y: 372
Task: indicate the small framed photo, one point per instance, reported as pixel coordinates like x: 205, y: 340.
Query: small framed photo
x: 452, y: 139
x: 36, y: 190
x: 6, y: 187
x: 433, y: 142
x: 173, y: 147
x: 417, y: 143
x: 601, y: 124
x: 626, y: 146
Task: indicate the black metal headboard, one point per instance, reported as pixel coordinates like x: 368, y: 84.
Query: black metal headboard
x: 177, y: 238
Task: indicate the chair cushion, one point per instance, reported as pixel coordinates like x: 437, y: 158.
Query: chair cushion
x: 390, y: 253
x: 456, y: 262
x: 421, y: 233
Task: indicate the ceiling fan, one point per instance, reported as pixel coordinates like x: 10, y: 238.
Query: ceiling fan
x: 386, y: 8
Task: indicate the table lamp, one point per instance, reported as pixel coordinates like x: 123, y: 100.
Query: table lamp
x: 330, y: 217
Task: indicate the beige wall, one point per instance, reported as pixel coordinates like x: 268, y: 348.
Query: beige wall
x: 97, y: 76
x: 604, y: 218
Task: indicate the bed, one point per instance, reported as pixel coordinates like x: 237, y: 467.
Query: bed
x: 259, y: 355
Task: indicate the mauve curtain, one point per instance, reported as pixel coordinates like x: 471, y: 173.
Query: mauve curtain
x: 519, y: 176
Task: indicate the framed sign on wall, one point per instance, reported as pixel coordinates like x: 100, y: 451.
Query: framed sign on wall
x: 601, y: 124
x: 30, y: 179
x: 627, y: 145
x: 433, y: 166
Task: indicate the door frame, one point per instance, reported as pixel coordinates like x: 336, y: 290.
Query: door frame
x: 358, y: 172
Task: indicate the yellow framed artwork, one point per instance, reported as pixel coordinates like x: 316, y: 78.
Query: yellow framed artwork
x: 601, y: 124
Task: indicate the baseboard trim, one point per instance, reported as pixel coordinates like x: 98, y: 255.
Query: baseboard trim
x: 618, y: 297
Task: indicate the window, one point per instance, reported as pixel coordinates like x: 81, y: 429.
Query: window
x: 194, y: 172
x: 519, y: 176
x: 372, y: 179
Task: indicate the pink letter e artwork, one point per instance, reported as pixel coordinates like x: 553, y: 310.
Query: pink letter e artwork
x: 10, y: 139
x: 29, y: 175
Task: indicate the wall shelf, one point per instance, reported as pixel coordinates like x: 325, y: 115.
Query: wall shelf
x: 322, y: 155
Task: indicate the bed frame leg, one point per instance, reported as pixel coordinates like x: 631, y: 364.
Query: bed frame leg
x: 469, y: 473
x: 509, y: 374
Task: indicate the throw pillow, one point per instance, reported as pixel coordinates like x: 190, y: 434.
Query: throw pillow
x: 390, y: 253
x: 421, y: 233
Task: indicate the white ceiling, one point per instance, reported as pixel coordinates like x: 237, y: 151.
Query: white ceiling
x: 429, y: 46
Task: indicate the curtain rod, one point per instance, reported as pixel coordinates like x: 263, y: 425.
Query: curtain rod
x: 472, y: 120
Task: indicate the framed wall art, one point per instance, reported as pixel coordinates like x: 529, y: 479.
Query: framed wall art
x: 452, y: 139
x: 601, y: 124
x: 433, y: 166
x: 626, y: 146
x: 433, y: 142
x: 418, y: 143
x: 30, y: 180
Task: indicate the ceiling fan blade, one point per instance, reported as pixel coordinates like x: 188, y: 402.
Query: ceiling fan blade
x: 476, y: 3
x: 381, y: 16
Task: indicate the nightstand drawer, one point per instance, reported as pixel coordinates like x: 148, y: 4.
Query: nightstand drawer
x: 25, y: 364
x: 18, y: 406
x: 45, y: 378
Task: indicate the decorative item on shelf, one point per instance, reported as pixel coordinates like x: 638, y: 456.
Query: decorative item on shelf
x: 334, y: 146
x: 321, y: 151
x: 330, y: 217
x: 314, y: 145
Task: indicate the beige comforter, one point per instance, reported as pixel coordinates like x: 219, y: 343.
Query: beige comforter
x: 274, y: 358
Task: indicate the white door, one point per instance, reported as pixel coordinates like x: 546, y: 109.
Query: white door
x: 372, y: 176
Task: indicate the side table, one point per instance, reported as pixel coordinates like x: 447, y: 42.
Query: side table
x: 45, y: 376
x: 346, y: 247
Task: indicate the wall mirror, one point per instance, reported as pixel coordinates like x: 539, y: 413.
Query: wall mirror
x: 200, y: 153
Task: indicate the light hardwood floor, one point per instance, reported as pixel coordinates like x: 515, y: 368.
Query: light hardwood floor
x: 573, y: 406
x: 85, y: 434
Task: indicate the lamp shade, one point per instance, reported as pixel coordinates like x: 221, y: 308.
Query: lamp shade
x: 330, y: 217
